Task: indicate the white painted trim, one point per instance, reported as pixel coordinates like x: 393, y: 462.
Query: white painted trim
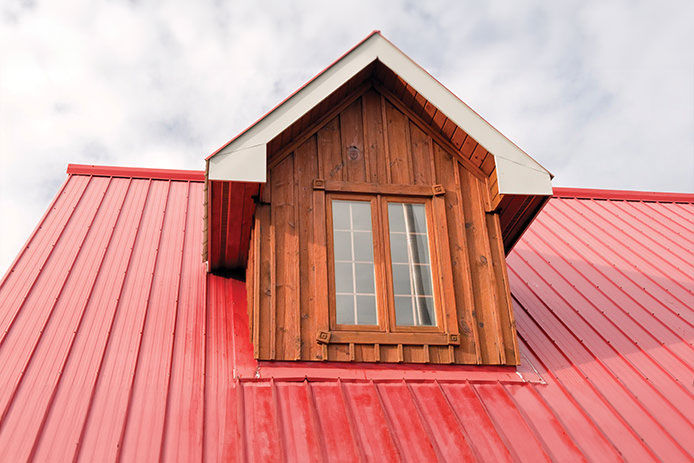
x: 517, y: 179
x: 244, y: 164
x: 245, y: 158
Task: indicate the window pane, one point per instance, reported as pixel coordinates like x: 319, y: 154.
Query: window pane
x: 365, y: 278
x: 341, y: 215
x: 343, y: 245
x: 411, y: 265
x: 423, y: 273
x: 345, y: 309
x: 396, y: 220
x: 363, y: 246
x: 403, y: 311
x: 421, y: 248
x: 361, y: 215
x: 420, y: 217
x: 401, y: 279
x: 425, y: 311
x: 343, y: 277
x: 366, y: 310
x: 398, y: 247
x: 354, y: 269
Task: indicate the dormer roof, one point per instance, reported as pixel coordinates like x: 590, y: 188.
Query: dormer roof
x: 244, y: 158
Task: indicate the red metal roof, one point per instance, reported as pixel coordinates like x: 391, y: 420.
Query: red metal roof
x: 114, y: 342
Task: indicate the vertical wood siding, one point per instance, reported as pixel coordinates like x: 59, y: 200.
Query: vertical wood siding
x: 373, y: 140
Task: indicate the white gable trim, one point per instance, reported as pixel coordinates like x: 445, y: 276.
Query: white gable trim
x: 245, y: 157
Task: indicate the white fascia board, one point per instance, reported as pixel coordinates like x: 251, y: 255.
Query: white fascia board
x: 246, y: 164
x: 245, y: 158
x: 517, y: 179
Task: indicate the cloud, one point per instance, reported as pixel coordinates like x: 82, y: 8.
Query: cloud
x: 601, y: 93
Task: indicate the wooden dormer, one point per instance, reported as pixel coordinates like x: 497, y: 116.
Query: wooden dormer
x: 372, y: 217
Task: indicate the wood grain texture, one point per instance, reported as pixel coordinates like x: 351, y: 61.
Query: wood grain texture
x: 374, y: 150
x: 287, y: 340
x: 352, y: 139
x: 446, y: 172
x: 375, y: 146
x: 264, y: 340
x: 503, y: 291
x: 479, y: 256
x: 305, y: 169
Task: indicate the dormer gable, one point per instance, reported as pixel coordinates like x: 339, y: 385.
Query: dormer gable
x: 372, y: 211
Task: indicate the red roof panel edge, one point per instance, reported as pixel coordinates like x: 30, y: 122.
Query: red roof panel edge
x: 136, y: 172
x: 624, y: 195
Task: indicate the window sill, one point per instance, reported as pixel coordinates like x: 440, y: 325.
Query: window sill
x: 367, y: 337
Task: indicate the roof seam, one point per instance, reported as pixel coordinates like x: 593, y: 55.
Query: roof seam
x: 389, y: 421
x: 681, y: 208
x: 42, y: 264
x: 349, y: 412
x: 315, y: 419
x: 618, y: 381
x: 648, y: 292
x: 20, y: 380
x: 666, y: 218
x: 38, y: 274
x: 68, y: 355
x: 655, y: 231
x: 579, y: 372
x: 468, y: 440
x: 562, y: 387
x: 633, y: 251
x: 499, y: 432
x: 38, y: 227
x: 425, y: 424
x: 131, y: 388
x: 602, y: 336
x: 162, y: 447
x: 530, y: 423
x: 88, y: 411
x: 626, y: 293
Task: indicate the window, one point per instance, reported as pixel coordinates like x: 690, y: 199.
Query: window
x: 355, y: 279
x: 383, y: 280
x: 411, y: 265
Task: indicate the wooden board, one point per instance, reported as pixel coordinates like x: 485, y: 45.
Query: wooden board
x: 375, y: 146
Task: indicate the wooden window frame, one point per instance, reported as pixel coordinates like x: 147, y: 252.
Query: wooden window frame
x: 445, y: 331
x: 332, y: 292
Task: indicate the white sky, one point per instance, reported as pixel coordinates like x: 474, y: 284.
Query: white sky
x: 600, y: 93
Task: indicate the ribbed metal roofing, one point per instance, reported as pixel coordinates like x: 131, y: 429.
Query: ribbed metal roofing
x: 114, y: 343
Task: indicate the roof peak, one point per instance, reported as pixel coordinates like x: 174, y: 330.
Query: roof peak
x: 244, y: 158
x: 136, y: 172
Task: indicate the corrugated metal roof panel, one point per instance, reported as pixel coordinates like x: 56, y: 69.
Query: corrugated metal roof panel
x: 114, y: 342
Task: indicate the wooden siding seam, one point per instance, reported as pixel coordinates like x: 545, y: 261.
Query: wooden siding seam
x: 386, y: 141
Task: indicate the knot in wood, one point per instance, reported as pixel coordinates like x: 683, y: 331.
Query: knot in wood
x: 353, y: 153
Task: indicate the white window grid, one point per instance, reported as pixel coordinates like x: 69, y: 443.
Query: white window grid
x: 414, y: 291
x: 353, y: 263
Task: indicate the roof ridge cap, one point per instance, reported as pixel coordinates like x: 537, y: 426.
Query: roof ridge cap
x: 623, y: 195
x: 136, y: 172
